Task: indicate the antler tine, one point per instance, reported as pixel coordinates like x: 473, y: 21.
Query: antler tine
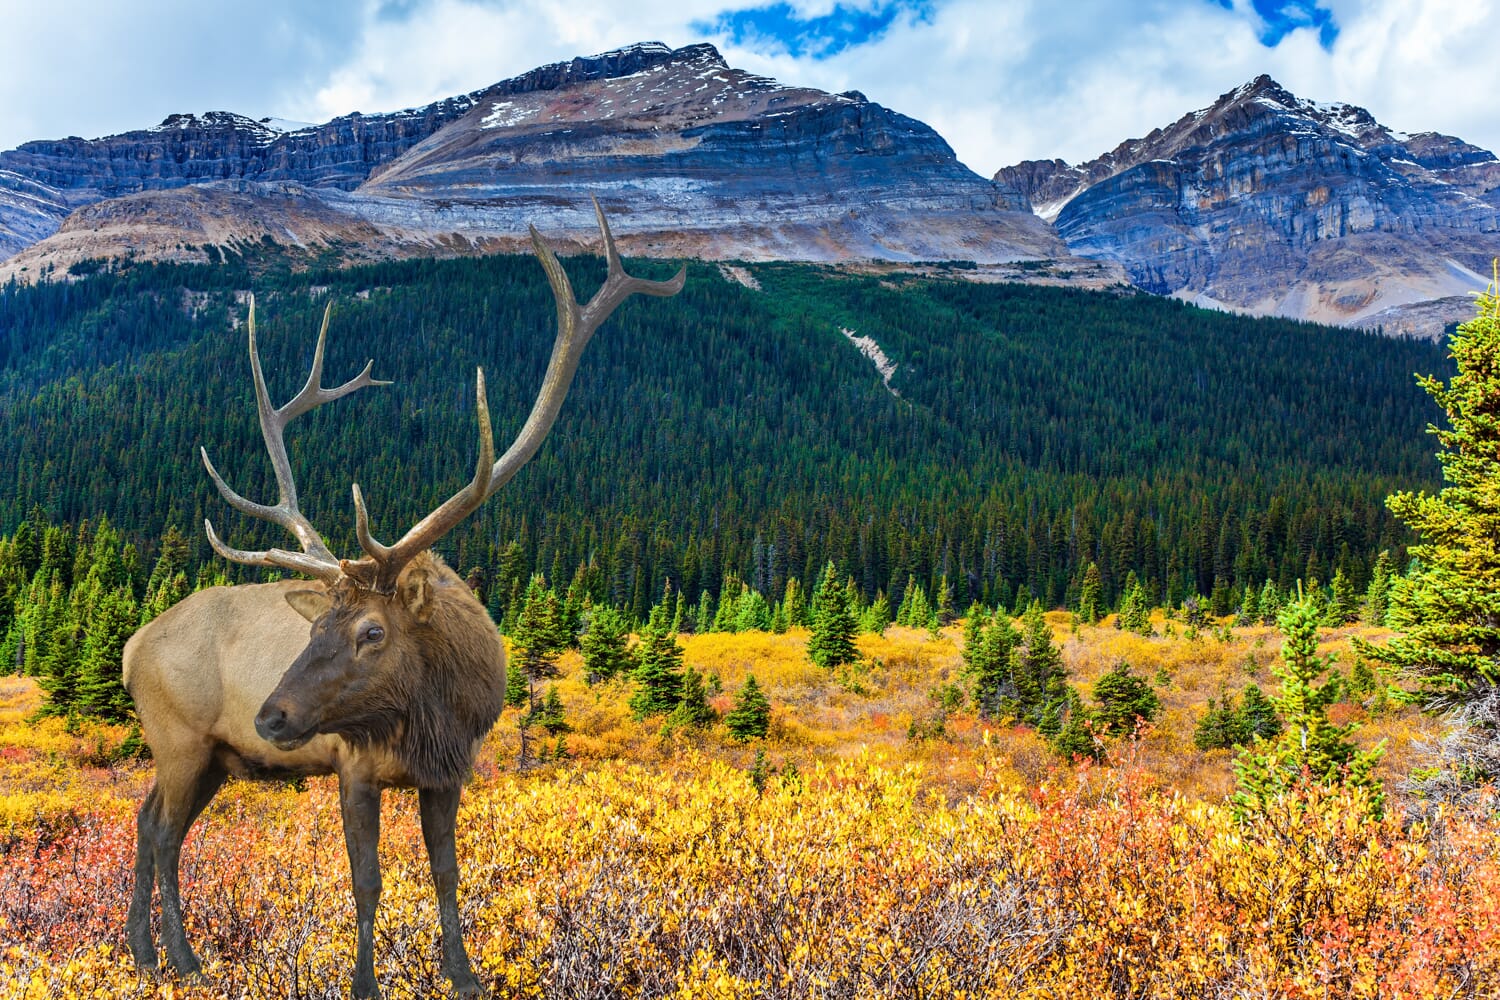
x: 575, y: 326
x: 315, y: 558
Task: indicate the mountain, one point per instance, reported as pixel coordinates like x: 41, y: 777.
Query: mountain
x: 688, y: 155
x: 1270, y: 204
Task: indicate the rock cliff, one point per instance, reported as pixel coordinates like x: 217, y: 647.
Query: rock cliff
x: 688, y: 155
x: 1267, y: 203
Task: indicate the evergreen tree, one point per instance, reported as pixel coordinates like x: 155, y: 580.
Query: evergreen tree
x: 750, y: 719
x: 1377, y: 595
x: 1074, y: 738
x: 990, y: 662
x: 1038, y: 673
x: 1343, y: 607
x: 1221, y: 727
x: 604, y: 645
x: 703, y: 618
x: 752, y: 613
x: 877, y: 615
x: 1310, y: 743
x: 831, y: 643
x: 1135, y: 609
x: 1448, y: 606
x: 539, y: 635
x: 794, y: 604
x: 658, y: 672
x: 1249, y: 612
x: 692, y: 710
x: 1258, y: 717
x: 1089, y: 596
x: 1123, y: 700
x: 942, y: 612
x: 548, y: 714
x: 100, y: 687
x: 1270, y: 603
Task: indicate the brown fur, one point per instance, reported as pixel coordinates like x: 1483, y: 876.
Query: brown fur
x: 409, y: 711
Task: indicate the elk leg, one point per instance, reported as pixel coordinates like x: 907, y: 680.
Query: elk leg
x: 138, y: 922
x: 174, y: 817
x: 439, y: 807
x: 360, y: 801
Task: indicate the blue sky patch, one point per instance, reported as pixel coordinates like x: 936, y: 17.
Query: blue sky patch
x: 778, y: 27
x: 1280, y: 18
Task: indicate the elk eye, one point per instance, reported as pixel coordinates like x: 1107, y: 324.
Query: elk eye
x: 374, y: 633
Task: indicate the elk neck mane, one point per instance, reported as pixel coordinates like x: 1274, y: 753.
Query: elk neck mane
x: 445, y: 693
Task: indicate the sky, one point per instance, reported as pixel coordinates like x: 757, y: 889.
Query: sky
x: 1001, y: 80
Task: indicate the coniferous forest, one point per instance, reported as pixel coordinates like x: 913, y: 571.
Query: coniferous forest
x: 1027, y: 431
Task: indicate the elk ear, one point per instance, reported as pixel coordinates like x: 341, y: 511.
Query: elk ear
x: 310, y: 604
x: 417, y: 593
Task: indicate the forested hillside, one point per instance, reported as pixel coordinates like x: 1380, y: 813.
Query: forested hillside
x: 1026, y: 432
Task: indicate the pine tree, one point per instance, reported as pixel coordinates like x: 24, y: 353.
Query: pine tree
x: 831, y: 643
x: 750, y: 719
x: 1448, y: 606
x: 942, y: 612
x: 1135, y: 609
x: 1249, y: 612
x: 1221, y: 727
x: 692, y: 710
x: 1074, y: 738
x: 1124, y: 700
x: 539, y: 635
x: 990, y: 661
x: 1089, y: 596
x: 1270, y: 603
x: 604, y: 645
x: 878, y: 615
x: 100, y: 688
x: 794, y: 604
x: 549, y: 714
x: 1310, y: 743
x: 1038, y: 673
x: 658, y: 672
x: 1343, y: 606
x: 703, y: 618
x: 1377, y: 595
x: 1258, y: 716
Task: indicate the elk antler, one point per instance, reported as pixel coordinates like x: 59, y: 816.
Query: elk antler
x: 575, y: 325
x: 314, y: 559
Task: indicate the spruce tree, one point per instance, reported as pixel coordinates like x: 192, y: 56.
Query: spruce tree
x: 1310, y: 744
x: 794, y: 604
x: 692, y: 710
x: 1448, y: 606
x: 1089, y: 596
x: 877, y: 615
x: 1124, y: 700
x: 658, y: 672
x: 1343, y: 606
x: 100, y: 689
x: 539, y: 635
x: 831, y: 643
x: 604, y: 645
x: 750, y: 719
x: 1038, y: 673
x: 1377, y: 595
x: 990, y: 660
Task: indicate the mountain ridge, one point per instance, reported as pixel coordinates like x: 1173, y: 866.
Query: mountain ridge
x: 1261, y: 202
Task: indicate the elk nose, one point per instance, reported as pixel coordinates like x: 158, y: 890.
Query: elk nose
x: 270, y: 723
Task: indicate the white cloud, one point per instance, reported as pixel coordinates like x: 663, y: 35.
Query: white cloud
x: 1001, y: 82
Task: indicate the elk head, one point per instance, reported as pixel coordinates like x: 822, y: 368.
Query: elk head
x: 397, y: 621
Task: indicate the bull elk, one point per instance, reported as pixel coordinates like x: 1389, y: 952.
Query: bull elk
x: 400, y: 681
